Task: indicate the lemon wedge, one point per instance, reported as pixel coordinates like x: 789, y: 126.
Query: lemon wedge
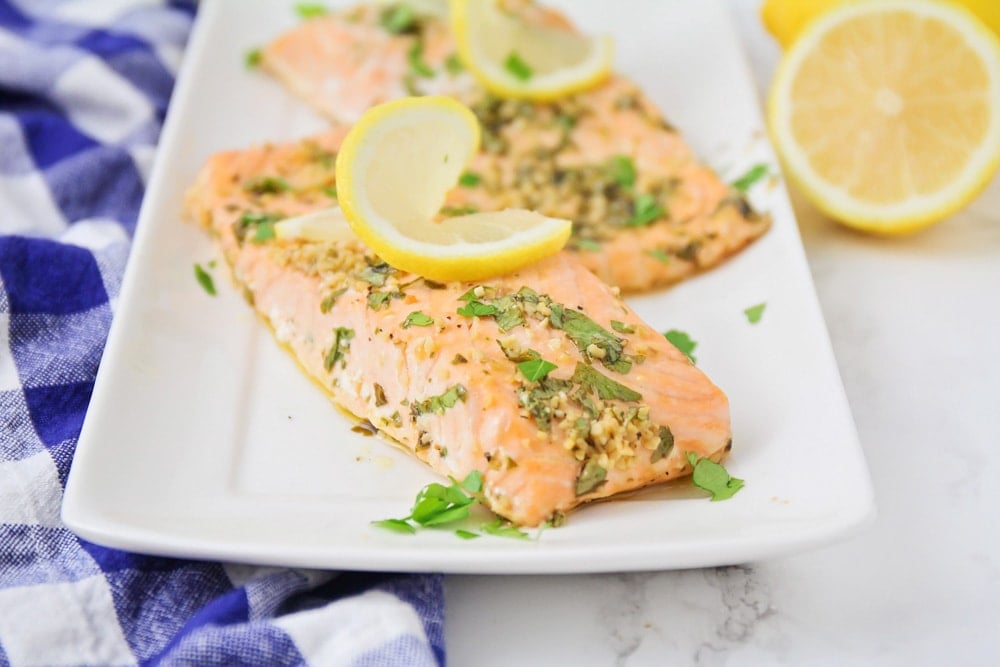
x: 512, y: 58
x: 887, y: 113
x: 323, y: 226
x: 394, y: 170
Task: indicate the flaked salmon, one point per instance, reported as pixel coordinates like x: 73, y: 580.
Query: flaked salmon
x: 543, y: 380
x: 646, y: 211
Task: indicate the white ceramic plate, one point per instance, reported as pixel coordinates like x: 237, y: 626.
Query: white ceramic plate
x: 204, y: 440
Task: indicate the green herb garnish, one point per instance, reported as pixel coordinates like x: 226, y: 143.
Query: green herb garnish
x: 454, y: 64
x: 713, y: 477
x: 591, y: 477
x: 438, y: 404
x: 469, y: 179
x: 375, y: 274
x: 517, y: 68
x: 621, y: 327
x: 754, y: 313
x: 263, y: 232
x: 310, y: 10
x: 585, y: 332
x: 266, y: 185
x: 252, y: 58
x: 378, y: 300
x: 621, y: 169
x: 437, y: 504
x: 754, y: 174
x: 645, y: 210
x: 204, y: 279
x: 415, y: 57
x: 535, y: 369
x: 588, y: 245
x: 326, y: 305
x: 660, y: 255
x: 249, y: 222
x: 417, y: 319
x: 606, y: 388
x: 682, y: 342
x: 502, y: 528
x: 330, y: 191
x: 476, y: 308
x: 466, y: 534
x: 399, y: 19
x: 665, y: 446
x: 341, y: 341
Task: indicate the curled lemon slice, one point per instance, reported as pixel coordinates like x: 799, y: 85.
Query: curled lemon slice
x: 324, y: 226
x: 395, y: 168
x: 513, y: 58
x: 887, y: 112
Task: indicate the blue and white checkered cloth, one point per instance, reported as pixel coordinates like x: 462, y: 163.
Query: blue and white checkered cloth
x: 84, y: 86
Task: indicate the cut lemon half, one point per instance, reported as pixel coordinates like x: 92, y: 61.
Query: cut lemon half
x: 513, y: 58
x: 887, y: 112
x: 394, y: 170
x: 323, y: 226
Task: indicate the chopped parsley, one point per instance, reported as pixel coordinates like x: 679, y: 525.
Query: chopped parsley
x: 621, y: 327
x: 517, y: 68
x: 437, y: 504
x: 584, y: 332
x: 267, y: 185
x: 415, y: 57
x: 713, y: 477
x: 535, y: 369
x: 252, y: 58
x: 330, y: 191
x: 476, y: 308
x: 379, y: 299
x: 660, y: 255
x: 587, y: 244
x: 591, y: 477
x: 438, y: 404
x: 665, y: 445
x: 310, y: 10
x: 645, y: 209
x: 606, y: 388
x: 326, y: 305
x: 466, y: 534
x: 204, y: 279
x: 503, y: 528
x: 251, y: 222
x: 469, y: 179
x: 621, y: 169
x: 682, y: 341
x: 454, y: 64
x: 375, y: 274
x: 341, y: 342
x: 754, y: 174
x: 417, y: 319
x: 399, y: 19
x: 754, y: 313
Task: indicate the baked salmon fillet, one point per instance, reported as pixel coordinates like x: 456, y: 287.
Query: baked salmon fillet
x: 453, y: 372
x: 646, y: 212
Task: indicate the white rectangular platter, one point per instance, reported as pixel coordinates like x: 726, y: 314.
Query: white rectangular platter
x: 204, y: 440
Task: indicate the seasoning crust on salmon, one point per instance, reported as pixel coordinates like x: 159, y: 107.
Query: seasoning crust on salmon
x: 440, y: 368
x: 646, y: 212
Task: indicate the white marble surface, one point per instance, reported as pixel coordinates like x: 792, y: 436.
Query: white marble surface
x: 914, y: 324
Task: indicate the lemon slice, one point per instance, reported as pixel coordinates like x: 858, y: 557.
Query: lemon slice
x: 323, y: 226
x: 887, y: 113
x: 512, y: 58
x: 395, y: 168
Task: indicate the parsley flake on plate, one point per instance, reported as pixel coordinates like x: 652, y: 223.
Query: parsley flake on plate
x: 713, y: 477
x: 754, y: 174
x: 204, y: 279
x: 535, y: 369
x: 754, y: 313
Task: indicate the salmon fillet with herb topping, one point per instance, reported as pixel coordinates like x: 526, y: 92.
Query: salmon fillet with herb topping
x: 457, y: 372
x: 646, y: 211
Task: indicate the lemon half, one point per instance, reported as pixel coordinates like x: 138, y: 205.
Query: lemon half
x: 887, y: 112
x: 512, y: 58
x: 395, y: 168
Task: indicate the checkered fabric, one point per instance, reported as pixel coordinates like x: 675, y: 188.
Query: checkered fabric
x: 84, y: 86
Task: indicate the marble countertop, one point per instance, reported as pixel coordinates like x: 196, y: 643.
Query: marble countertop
x: 914, y: 324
